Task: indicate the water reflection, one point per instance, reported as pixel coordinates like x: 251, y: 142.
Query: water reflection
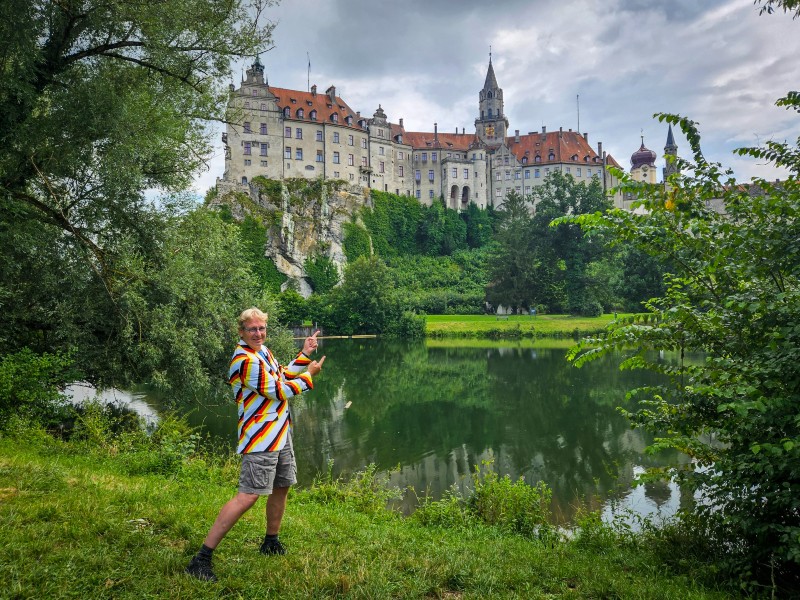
x: 428, y: 415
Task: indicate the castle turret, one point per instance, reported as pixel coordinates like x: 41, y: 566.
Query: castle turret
x: 670, y: 154
x: 643, y: 164
x: 492, y: 124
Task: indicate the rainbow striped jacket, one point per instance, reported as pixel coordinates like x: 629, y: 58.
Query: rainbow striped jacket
x: 262, y: 389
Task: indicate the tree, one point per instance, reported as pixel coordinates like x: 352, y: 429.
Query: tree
x: 733, y: 294
x: 101, y: 103
x: 322, y: 272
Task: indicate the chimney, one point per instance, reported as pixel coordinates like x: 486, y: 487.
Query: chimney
x: 331, y: 92
x: 436, y: 132
x: 516, y: 135
x: 599, y: 148
x: 462, y: 131
x: 570, y: 129
x: 456, y: 130
x: 544, y: 129
x: 314, y: 90
x: 586, y: 136
x: 401, y: 122
x: 560, y: 132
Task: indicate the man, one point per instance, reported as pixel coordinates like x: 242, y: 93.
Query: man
x: 262, y: 389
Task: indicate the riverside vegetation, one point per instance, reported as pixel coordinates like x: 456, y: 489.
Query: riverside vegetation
x: 101, y: 284
x: 110, y: 511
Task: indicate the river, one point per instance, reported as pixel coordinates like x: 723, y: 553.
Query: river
x: 426, y: 413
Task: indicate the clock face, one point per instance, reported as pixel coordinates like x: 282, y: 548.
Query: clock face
x: 490, y: 131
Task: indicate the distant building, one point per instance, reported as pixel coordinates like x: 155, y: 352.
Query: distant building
x: 281, y: 133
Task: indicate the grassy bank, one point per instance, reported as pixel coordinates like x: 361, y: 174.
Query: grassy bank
x: 515, y: 326
x: 102, y: 522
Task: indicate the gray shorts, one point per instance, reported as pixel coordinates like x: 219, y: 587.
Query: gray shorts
x: 261, y: 471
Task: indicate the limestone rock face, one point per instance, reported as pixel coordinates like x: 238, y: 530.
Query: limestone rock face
x: 303, y: 218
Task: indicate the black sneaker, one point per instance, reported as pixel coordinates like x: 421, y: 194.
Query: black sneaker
x: 200, y: 569
x: 272, y: 547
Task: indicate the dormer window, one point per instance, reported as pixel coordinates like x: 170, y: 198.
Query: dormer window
x: 335, y: 118
x: 574, y: 157
x: 286, y: 112
x: 537, y: 159
x: 300, y: 113
x: 309, y: 102
x: 551, y: 156
x: 349, y: 120
x: 586, y: 158
x: 524, y: 160
x: 313, y: 115
x: 293, y: 101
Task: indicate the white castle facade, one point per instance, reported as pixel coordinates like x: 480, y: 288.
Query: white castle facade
x: 281, y: 133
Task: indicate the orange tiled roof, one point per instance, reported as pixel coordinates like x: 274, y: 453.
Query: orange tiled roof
x: 563, y: 146
x: 421, y: 140
x: 306, y: 101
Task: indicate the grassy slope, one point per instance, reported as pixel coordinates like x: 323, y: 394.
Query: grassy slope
x: 75, y: 526
x: 515, y: 325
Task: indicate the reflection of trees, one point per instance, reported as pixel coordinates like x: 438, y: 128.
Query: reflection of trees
x: 436, y: 412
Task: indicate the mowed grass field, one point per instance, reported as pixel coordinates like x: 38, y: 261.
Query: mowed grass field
x: 516, y: 326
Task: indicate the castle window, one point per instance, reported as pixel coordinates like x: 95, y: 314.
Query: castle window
x: 400, y: 155
x: 247, y: 148
x: 247, y: 162
x: 381, y: 167
x: 263, y: 149
x: 508, y: 175
x: 244, y: 180
x: 313, y: 115
x: 524, y: 160
x: 417, y: 175
x: 568, y: 170
x: 424, y: 157
x: 431, y: 175
x: 527, y: 173
x: 498, y: 175
x: 536, y: 173
x: 286, y: 112
x: 516, y: 175
x: 287, y: 132
x: 298, y: 154
x: 263, y: 129
x: 363, y: 161
x: 336, y: 158
x: 335, y: 137
x: 578, y: 171
x: 418, y: 193
x: 300, y: 113
x: 574, y: 157
x: 350, y: 160
x: 490, y: 112
x: 433, y: 156
x: 319, y: 135
x: 349, y: 140
x: 349, y: 120
x: 380, y: 150
x: 298, y: 133
x: 489, y: 94
x: 335, y: 118
x: 466, y: 173
x: 319, y: 156
x: 364, y: 143
x: 505, y: 159
x: 287, y: 153
x: 400, y: 170
x: 537, y: 159
x: 430, y: 194
x: 551, y: 156
x: 247, y: 126
x: 255, y: 92
x: 455, y: 172
x: 263, y: 163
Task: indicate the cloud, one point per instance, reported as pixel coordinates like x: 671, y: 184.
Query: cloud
x: 717, y: 62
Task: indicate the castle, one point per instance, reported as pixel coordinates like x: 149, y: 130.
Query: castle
x: 281, y: 133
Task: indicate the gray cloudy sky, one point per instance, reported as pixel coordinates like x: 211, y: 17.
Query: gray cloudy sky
x: 715, y: 61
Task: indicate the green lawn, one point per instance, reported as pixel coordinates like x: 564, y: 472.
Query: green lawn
x: 515, y: 326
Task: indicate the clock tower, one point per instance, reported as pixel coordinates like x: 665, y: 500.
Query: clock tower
x: 492, y: 125
x: 643, y: 165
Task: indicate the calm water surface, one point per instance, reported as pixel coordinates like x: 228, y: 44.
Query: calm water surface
x: 427, y: 412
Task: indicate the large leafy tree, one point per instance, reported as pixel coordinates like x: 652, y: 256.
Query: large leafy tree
x: 734, y: 295
x: 103, y: 103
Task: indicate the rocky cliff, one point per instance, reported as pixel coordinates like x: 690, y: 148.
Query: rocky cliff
x: 303, y: 218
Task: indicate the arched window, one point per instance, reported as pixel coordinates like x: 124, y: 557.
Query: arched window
x: 551, y: 156
x: 335, y: 117
x: 524, y: 160
x: 537, y: 159
x: 300, y: 113
x: 489, y: 95
x: 313, y: 115
x: 349, y: 120
x: 244, y: 180
x: 286, y: 112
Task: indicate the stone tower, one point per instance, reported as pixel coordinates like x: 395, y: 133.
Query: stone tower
x: 670, y: 154
x: 492, y: 125
x: 643, y: 165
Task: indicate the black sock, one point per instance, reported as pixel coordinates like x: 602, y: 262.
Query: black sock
x: 271, y: 537
x: 205, y: 553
